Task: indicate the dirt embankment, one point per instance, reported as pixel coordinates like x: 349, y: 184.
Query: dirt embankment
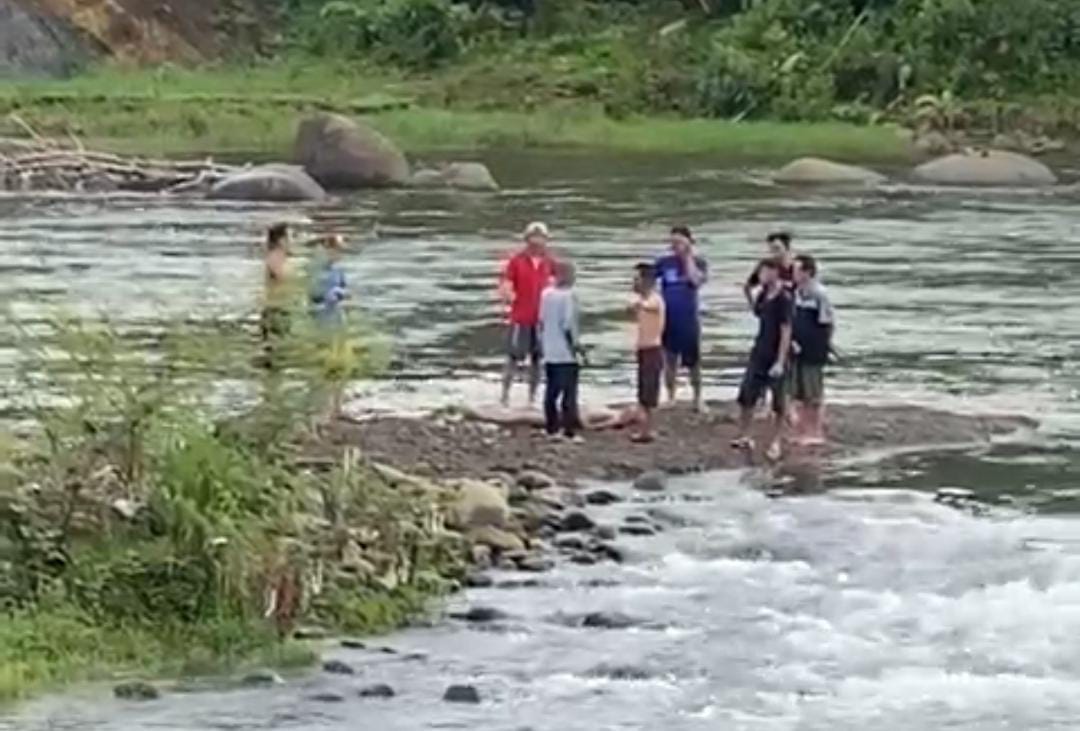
x: 442, y: 446
x: 55, y: 37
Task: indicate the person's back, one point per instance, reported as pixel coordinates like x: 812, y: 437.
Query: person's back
x: 558, y: 324
x: 328, y: 286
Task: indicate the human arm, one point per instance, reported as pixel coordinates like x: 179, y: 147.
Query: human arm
x: 697, y: 270
x: 750, y: 285
x: 784, y: 349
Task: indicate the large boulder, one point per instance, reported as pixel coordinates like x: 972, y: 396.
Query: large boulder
x: 985, y: 167
x: 815, y: 170
x: 480, y: 504
x: 342, y: 153
x: 278, y: 183
x: 456, y: 175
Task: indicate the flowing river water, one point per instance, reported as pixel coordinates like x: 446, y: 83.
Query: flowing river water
x: 866, y: 603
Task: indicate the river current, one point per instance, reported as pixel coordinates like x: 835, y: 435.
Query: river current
x: 866, y: 603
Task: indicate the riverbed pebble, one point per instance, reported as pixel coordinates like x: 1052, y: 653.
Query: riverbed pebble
x: 601, y: 497
x: 576, y: 520
x: 535, y: 480
x: 479, y: 614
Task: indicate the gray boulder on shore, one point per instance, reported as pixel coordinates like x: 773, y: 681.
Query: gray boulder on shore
x: 818, y: 171
x: 271, y: 183
x: 342, y: 153
x: 985, y: 168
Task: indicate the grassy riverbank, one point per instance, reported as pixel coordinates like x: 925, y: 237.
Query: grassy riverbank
x: 255, y: 111
x: 144, y: 535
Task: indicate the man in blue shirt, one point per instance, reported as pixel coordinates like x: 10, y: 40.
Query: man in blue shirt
x: 681, y: 274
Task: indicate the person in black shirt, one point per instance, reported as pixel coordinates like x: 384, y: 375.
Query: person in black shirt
x: 779, y: 245
x: 768, y: 360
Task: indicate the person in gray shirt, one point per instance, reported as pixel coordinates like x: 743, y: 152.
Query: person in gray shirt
x: 560, y: 347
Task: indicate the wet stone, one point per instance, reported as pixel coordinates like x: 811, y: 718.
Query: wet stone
x: 477, y: 580
x: 337, y: 667
x: 462, y: 694
x: 651, y: 481
x: 608, y: 620
x: 601, y: 497
x: 327, y: 698
x: 535, y: 564
x: 575, y: 521
x: 570, y: 543
x: 611, y: 552
x: 260, y: 678
x: 619, y: 672
x: 637, y: 529
x: 584, y: 559
x: 378, y: 690
x: 480, y: 614
x: 351, y: 644
x: 535, y: 480
x: 604, y: 532
x: 136, y: 691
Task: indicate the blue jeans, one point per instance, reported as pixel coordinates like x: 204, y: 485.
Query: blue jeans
x: 561, y: 399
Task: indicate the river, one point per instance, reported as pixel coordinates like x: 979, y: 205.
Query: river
x: 867, y: 603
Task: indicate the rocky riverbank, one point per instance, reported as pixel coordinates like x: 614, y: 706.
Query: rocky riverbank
x: 455, y: 445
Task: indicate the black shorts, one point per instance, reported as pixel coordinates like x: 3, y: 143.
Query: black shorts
x: 274, y: 323
x: 650, y: 365
x: 754, y: 386
x: 523, y: 341
x: 682, y: 343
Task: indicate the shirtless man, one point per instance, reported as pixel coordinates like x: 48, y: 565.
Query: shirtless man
x: 274, y: 320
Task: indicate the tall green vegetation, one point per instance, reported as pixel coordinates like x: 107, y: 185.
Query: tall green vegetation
x: 786, y: 59
x: 145, y: 524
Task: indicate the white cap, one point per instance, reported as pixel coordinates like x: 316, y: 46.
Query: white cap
x: 536, y: 228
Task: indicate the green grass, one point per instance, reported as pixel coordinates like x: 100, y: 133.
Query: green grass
x: 51, y: 648
x: 171, y: 111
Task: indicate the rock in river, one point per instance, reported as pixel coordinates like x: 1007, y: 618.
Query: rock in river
x: 262, y: 677
x: 814, y: 170
x: 985, y: 167
x: 479, y: 614
x: 337, y: 667
x: 342, y: 153
x: 651, y: 481
x: 462, y: 694
x: 136, y: 691
x: 456, y: 175
x: 480, y: 504
x: 601, y: 497
x: 535, y: 480
x: 271, y: 183
x: 379, y: 690
x: 496, y: 538
x: 575, y: 520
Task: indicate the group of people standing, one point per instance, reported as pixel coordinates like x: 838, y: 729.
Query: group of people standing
x: 787, y: 360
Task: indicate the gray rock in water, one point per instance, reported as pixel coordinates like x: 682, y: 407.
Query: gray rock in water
x: 575, y: 520
x: 352, y: 644
x: 601, y: 497
x: 326, y: 697
x: 814, y: 170
x: 637, y: 529
x: 584, y: 559
x: 570, y: 543
x: 652, y: 481
x: 343, y: 153
x: 611, y: 552
x: 457, y: 176
x: 271, y: 183
x: 480, y: 614
x: 535, y: 564
x: 462, y: 694
x: 378, y: 690
x: 986, y: 168
x: 608, y: 620
x: 478, y: 580
x: 337, y: 667
x: 262, y: 677
x: 605, y: 532
x: 619, y: 672
x: 136, y: 691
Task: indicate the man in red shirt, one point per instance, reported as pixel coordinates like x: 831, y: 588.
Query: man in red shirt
x: 523, y: 280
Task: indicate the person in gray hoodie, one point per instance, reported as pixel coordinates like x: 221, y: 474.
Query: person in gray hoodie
x: 560, y: 347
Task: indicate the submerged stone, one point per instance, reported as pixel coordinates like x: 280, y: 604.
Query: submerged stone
x: 136, y: 691
x: 378, y: 690
x: 337, y: 667
x: 462, y: 694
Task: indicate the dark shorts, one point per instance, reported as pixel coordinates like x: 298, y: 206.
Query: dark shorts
x: 682, y: 343
x: 756, y: 383
x: 808, y: 383
x: 523, y: 341
x: 650, y: 365
x: 274, y: 323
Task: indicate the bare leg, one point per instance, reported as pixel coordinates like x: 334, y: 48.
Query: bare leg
x: 534, y: 379
x: 695, y: 383
x: 671, y: 374
x: 746, y: 418
x: 510, y: 371
x: 776, y: 432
